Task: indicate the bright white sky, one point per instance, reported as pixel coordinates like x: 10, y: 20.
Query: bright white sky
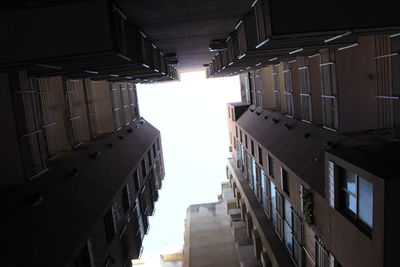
x: 192, y: 117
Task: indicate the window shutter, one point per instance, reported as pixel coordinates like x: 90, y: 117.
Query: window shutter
x: 331, y: 183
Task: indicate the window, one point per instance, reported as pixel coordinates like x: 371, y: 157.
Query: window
x: 260, y: 157
x: 125, y: 198
x: 331, y: 185
x: 287, y: 76
x: 284, y: 181
x: 323, y: 258
x: 241, y: 137
x: 252, y: 147
x: 154, y: 151
x: 245, y: 141
x: 270, y: 166
x: 273, y: 203
x: 31, y: 123
x: 276, y: 87
x: 279, y: 213
x: 266, y: 194
x: 305, y: 89
x: 149, y: 157
x: 237, y: 135
x: 357, y: 198
x: 144, y: 170
x: 297, y: 229
x: 276, y: 209
x: 136, y: 180
x: 287, y: 228
x: 329, y: 89
x: 158, y: 144
x: 109, y: 224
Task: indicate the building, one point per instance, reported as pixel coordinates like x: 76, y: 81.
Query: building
x: 81, y: 172
x: 81, y: 169
x: 216, y: 236
x: 313, y: 155
x: 314, y: 139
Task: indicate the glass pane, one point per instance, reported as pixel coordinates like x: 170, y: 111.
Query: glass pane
x: 288, y: 213
x: 365, y: 199
x: 296, y: 252
x: 288, y: 237
x: 350, y: 182
x: 273, y: 203
x: 351, y: 203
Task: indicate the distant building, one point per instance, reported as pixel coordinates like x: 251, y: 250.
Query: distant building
x: 216, y: 236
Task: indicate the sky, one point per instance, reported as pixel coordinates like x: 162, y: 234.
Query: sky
x: 192, y: 117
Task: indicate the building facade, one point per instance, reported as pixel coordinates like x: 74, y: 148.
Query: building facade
x: 81, y: 170
x: 308, y: 163
x: 216, y: 235
x: 81, y: 167
x: 314, y: 134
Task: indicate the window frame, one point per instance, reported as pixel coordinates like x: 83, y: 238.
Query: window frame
x: 343, y: 192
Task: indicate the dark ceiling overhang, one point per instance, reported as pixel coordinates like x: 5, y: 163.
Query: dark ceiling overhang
x: 185, y: 26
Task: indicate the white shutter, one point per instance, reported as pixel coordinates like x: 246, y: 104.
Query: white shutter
x: 331, y: 183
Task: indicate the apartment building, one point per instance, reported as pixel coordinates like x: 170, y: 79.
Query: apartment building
x: 313, y: 145
x: 81, y: 169
x: 81, y: 172
x: 314, y: 138
x: 215, y: 234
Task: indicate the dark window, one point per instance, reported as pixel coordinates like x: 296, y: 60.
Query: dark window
x: 136, y: 180
x: 154, y: 151
x: 260, y: 157
x: 109, y: 224
x: 158, y: 144
x: 125, y: 198
x: 252, y: 147
x: 237, y: 135
x: 279, y: 213
x: 357, y: 198
x: 245, y: 141
x: 144, y: 170
x: 150, y: 158
x: 284, y: 181
x: 270, y: 166
x: 241, y: 137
